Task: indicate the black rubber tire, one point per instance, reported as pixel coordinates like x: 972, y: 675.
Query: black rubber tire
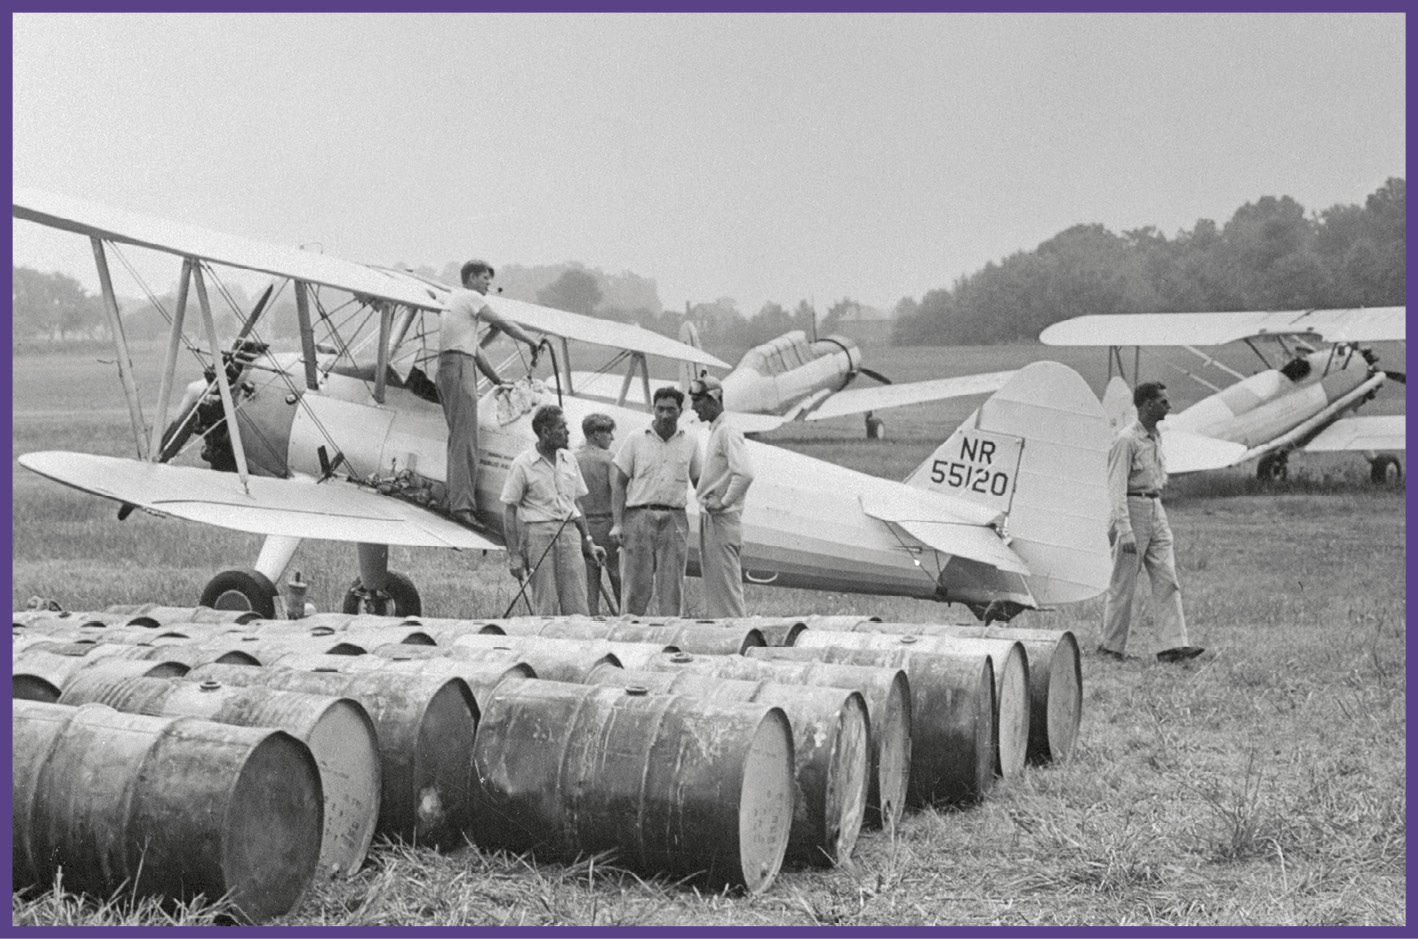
x: 1385, y: 470
x: 403, y: 598
x: 1273, y: 467
x: 241, y: 590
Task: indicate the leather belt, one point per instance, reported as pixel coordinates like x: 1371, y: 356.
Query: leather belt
x: 1149, y: 494
x: 659, y: 507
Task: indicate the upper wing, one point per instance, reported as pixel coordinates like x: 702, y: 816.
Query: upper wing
x: 334, y: 510
x: 600, y: 332
x: 857, y: 400
x: 119, y: 225
x: 1374, y: 324
x: 1377, y: 432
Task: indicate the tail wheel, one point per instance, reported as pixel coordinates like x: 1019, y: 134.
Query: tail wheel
x: 1385, y: 470
x: 1273, y: 467
x: 398, y: 598
x: 241, y: 590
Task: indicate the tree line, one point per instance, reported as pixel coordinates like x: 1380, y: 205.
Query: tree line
x: 1271, y: 255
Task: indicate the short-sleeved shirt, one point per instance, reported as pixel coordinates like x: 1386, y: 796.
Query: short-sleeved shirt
x: 595, y: 466
x: 458, y: 325
x: 544, y: 492
x: 728, y: 472
x: 658, y: 470
x: 1134, y: 465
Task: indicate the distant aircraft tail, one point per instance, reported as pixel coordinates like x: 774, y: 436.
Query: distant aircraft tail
x: 1117, y: 403
x: 689, y: 335
x: 1037, y: 451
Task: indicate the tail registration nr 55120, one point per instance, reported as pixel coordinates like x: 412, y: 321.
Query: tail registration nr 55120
x: 978, y: 465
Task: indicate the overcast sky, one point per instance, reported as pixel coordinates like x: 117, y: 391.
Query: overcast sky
x: 755, y: 156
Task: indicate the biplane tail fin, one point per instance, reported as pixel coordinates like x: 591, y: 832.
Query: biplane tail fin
x: 1037, y: 451
x: 689, y: 335
x: 1117, y: 403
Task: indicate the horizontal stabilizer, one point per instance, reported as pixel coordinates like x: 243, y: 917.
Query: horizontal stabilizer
x: 1186, y: 452
x: 858, y: 400
x: 948, y: 525
x: 1376, y: 432
x: 335, y: 510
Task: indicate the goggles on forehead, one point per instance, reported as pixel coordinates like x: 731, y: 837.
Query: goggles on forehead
x: 698, y: 387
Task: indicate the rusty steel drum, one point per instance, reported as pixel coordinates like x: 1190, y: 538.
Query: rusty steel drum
x: 775, y: 630
x: 1055, y: 678
x: 39, y: 675
x: 669, y: 783
x: 444, y: 631
x: 267, y: 649
x: 424, y: 727
x: 552, y: 664
x: 830, y: 757
x: 627, y: 654
x: 952, y: 717
x: 1011, y: 704
x: 482, y: 676
x: 338, y: 732
x: 168, y: 806
x: 687, y: 636
x: 886, y: 692
x: 153, y: 614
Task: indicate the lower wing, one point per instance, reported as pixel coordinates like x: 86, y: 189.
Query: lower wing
x: 880, y: 397
x: 334, y: 510
x: 1370, y: 432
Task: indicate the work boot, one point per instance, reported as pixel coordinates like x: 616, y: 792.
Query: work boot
x: 1179, y: 654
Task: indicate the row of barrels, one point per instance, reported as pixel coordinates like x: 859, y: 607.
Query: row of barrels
x: 191, y: 751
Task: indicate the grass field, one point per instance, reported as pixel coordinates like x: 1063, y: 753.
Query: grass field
x: 1263, y: 785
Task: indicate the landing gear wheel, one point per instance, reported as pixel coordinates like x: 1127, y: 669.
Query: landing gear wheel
x: 1385, y: 470
x: 398, y: 598
x: 1273, y: 467
x: 241, y: 590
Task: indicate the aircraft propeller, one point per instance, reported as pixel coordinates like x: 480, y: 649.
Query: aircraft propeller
x: 876, y: 375
x: 1399, y: 377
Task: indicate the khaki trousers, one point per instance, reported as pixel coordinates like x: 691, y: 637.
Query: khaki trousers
x: 720, y: 547
x: 458, y: 393
x: 1154, y: 552
x: 600, y: 529
x: 559, y: 581
x: 652, y: 559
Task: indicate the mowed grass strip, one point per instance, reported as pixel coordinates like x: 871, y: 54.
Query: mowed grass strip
x: 1261, y: 785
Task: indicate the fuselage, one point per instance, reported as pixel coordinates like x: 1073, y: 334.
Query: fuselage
x: 803, y: 522
x: 773, y: 377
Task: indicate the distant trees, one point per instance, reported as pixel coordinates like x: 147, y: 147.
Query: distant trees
x: 575, y: 291
x: 1270, y: 255
x: 51, y: 306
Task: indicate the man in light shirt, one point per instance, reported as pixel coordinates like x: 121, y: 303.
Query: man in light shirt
x: 724, y: 482
x: 650, y: 487
x: 1140, y: 534
x: 541, y: 521
x: 460, y: 349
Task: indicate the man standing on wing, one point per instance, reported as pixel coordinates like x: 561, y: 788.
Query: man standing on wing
x: 720, y: 492
x: 460, y: 350
x: 546, y: 534
x: 649, y: 489
x: 1140, y: 534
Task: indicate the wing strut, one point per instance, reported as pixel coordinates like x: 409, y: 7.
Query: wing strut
x: 307, y: 334
x: 174, y: 342
x: 120, y: 342
x: 223, y: 386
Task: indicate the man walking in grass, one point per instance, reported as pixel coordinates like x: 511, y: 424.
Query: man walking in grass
x: 1140, y: 535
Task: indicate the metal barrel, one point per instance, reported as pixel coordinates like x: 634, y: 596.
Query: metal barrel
x: 553, y: 664
x: 830, y: 750
x: 482, y: 676
x: 39, y: 675
x: 952, y: 717
x: 670, y: 783
x: 169, y: 806
x: 627, y: 654
x: 425, y: 730
x: 338, y: 732
x: 151, y: 614
x: 1011, y: 680
x: 128, y: 635
x: 266, y: 649
x: 774, y: 630
x: 886, y: 691
x: 195, y: 655
x: 687, y: 637
x: 23, y: 618
x: 444, y: 631
x: 1055, y: 679
x: 824, y: 621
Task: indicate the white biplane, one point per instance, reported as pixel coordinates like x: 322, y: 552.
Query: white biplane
x: 1301, y: 401
x: 793, y: 378
x: 344, y: 441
